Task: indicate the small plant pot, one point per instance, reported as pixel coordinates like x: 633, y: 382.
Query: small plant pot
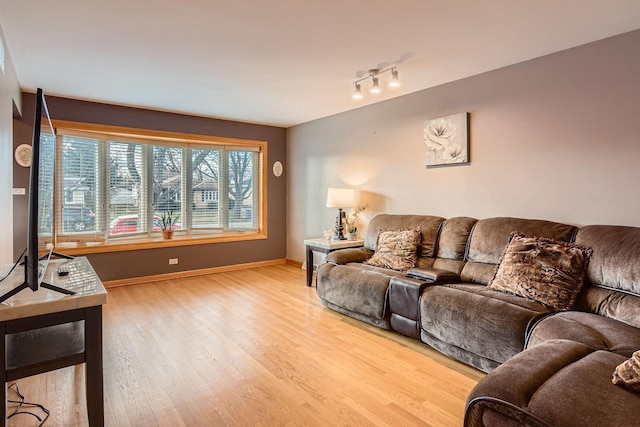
x: 167, y: 234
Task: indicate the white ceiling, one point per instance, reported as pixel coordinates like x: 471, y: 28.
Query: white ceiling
x: 282, y: 62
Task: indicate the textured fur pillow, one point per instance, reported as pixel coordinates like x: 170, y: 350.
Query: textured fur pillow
x: 396, y: 250
x: 627, y: 374
x: 542, y: 270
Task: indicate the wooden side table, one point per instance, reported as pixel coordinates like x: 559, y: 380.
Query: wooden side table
x: 325, y: 246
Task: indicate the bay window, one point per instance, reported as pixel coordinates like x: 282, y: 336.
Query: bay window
x: 114, y: 184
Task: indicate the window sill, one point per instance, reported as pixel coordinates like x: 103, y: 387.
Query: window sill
x: 155, y: 240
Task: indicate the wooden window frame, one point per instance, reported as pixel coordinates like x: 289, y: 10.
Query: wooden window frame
x: 71, y: 246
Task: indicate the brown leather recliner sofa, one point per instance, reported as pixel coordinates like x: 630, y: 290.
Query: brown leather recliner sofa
x: 546, y: 367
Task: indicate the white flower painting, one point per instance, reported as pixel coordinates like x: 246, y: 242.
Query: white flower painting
x: 447, y: 140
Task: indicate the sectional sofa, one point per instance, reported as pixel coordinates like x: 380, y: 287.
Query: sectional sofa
x: 548, y: 366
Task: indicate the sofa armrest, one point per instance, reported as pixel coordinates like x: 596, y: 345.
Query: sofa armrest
x: 345, y: 256
x: 434, y: 276
x: 505, y: 411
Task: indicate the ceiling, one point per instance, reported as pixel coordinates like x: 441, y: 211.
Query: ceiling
x: 283, y: 62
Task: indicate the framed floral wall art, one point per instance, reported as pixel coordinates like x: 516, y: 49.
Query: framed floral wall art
x: 447, y: 141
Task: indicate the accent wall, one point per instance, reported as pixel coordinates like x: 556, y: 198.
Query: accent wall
x: 149, y: 262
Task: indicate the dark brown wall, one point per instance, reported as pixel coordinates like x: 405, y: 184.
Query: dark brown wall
x: 120, y: 265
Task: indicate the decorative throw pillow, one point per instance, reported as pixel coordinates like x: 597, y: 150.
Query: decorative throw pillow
x: 543, y: 270
x: 627, y: 374
x: 396, y: 250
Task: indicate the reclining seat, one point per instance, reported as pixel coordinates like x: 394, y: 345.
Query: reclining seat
x: 478, y: 326
x: 564, y: 376
x: 607, y: 313
x: 348, y: 286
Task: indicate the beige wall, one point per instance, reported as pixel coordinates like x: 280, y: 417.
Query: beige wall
x: 554, y: 138
x: 9, y: 95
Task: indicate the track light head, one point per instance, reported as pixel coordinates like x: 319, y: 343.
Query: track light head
x: 395, y: 82
x: 375, y: 87
x: 358, y: 93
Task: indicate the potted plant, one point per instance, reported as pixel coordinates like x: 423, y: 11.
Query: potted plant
x: 168, y: 221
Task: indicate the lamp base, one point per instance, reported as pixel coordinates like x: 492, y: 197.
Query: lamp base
x: 341, y: 218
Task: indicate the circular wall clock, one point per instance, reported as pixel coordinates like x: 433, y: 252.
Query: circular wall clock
x: 277, y: 168
x: 23, y: 155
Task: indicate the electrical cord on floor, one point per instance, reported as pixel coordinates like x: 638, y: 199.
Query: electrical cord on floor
x: 21, y: 403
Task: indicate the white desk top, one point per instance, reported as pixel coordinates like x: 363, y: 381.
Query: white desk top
x: 333, y: 244
x: 27, y: 303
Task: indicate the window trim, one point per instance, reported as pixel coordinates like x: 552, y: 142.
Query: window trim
x: 70, y: 245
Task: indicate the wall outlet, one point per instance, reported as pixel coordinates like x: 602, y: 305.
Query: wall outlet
x: 173, y: 261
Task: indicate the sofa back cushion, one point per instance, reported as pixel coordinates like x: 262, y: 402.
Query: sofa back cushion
x: 615, y: 263
x: 490, y: 236
x: 428, y: 225
x: 614, y: 272
x: 543, y: 270
x: 452, y: 243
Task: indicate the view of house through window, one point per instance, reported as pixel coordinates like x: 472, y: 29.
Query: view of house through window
x: 109, y: 187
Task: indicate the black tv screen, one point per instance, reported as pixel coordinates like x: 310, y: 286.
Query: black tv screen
x: 40, y: 196
x: 41, y: 199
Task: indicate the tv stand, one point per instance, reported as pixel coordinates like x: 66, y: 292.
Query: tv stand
x: 23, y: 286
x: 59, y: 255
x: 45, y: 285
x: 56, y: 288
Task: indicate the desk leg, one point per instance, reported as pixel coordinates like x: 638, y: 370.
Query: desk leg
x: 3, y: 389
x: 309, y: 266
x: 93, y: 366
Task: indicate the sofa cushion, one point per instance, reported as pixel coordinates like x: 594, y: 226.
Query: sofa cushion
x: 428, y: 225
x: 615, y: 263
x: 598, y: 332
x: 490, y: 236
x: 544, y: 270
x: 454, y: 236
x: 476, y: 323
x: 452, y: 243
x: 354, y: 289
x: 347, y: 255
x: 617, y: 305
x: 613, y: 276
x: 561, y: 382
x: 396, y: 250
x: 627, y: 374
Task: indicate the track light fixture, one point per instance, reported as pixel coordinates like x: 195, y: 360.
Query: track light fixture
x: 375, y: 85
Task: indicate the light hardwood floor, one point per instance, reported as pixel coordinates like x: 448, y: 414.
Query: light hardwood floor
x: 252, y: 348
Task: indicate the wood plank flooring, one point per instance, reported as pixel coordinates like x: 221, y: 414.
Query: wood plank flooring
x: 252, y: 348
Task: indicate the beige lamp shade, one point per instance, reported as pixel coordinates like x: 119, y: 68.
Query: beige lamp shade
x: 341, y: 198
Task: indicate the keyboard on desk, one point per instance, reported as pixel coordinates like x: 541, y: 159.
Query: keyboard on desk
x: 77, y: 276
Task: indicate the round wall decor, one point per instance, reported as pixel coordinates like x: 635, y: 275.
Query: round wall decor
x: 23, y: 155
x: 277, y: 168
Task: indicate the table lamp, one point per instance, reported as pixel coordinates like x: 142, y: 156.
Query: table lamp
x: 341, y: 198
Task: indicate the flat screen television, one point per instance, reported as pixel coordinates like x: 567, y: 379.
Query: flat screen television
x: 40, y: 203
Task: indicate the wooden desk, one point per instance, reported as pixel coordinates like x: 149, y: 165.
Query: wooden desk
x: 44, y: 330
x: 325, y: 246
